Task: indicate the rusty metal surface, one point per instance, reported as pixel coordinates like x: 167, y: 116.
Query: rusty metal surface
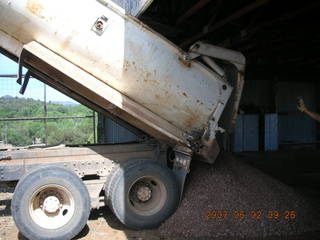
x: 77, y: 151
x: 122, y: 66
x: 106, y: 97
x: 94, y: 188
x: 97, y: 160
x: 128, y: 56
x: 91, y: 160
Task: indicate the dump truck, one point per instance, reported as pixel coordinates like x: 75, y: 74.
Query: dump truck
x: 179, y: 103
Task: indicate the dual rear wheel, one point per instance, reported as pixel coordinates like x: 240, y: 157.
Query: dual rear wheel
x: 53, y: 203
x: 142, y: 194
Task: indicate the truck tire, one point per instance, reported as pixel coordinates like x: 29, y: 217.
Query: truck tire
x: 50, y: 203
x: 142, y: 194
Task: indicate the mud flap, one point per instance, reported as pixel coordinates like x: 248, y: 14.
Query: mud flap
x: 181, y: 166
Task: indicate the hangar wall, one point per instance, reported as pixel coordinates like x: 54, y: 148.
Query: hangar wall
x: 277, y: 97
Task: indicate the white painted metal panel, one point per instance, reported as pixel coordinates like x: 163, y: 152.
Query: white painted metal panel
x: 55, y: 69
x: 128, y: 56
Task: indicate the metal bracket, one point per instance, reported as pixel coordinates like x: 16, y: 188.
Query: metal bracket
x: 20, y: 66
x: 205, y: 49
x: 181, y: 165
x: 20, y: 81
x: 25, y: 82
x: 208, y: 147
x: 213, y: 127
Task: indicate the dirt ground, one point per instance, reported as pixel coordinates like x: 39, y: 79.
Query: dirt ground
x: 101, y: 225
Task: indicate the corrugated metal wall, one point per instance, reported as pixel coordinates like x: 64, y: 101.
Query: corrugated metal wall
x: 246, y: 136
x: 109, y: 132
x: 271, y: 135
x: 294, y: 126
x: 281, y: 123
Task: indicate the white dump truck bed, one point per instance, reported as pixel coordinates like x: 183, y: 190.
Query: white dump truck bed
x: 108, y: 60
x: 112, y: 59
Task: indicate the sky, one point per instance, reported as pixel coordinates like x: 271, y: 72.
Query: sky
x: 35, y: 88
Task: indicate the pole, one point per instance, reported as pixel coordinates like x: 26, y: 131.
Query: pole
x: 45, y: 115
x: 94, y: 126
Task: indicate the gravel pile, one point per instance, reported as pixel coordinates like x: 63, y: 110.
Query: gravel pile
x: 242, y: 198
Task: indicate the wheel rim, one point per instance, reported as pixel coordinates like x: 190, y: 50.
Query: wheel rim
x: 147, y: 195
x: 52, y: 206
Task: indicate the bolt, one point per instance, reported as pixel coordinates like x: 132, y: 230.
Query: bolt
x: 144, y: 193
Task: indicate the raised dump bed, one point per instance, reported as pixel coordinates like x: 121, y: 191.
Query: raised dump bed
x: 119, y: 53
x: 108, y: 60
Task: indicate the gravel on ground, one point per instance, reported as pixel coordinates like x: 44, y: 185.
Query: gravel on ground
x: 232, y: 200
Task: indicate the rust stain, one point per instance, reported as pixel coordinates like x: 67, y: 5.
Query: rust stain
x: 149, y: 78
x: 191, y: 121
x: 157, y: 96
x: 67, y: 42
x: 184, y: 63
x: 234, y: 115
x: 184, y: 94
x: 35, y: 8
x: 148, y: 75
x: 126, y: 65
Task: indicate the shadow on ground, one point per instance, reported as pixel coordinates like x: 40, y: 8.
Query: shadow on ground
x: 102, y: 225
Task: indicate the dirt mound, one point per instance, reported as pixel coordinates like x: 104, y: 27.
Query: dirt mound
x: 232, y: 200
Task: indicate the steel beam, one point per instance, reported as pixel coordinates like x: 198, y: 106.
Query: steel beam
x: 221, y: 23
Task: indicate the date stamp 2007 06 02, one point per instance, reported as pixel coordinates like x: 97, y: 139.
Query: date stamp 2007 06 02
x: 254, y: 214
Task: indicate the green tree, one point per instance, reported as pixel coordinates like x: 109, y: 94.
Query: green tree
x: 67, y: 131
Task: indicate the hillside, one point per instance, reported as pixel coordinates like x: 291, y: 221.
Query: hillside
x: 68, y: 131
